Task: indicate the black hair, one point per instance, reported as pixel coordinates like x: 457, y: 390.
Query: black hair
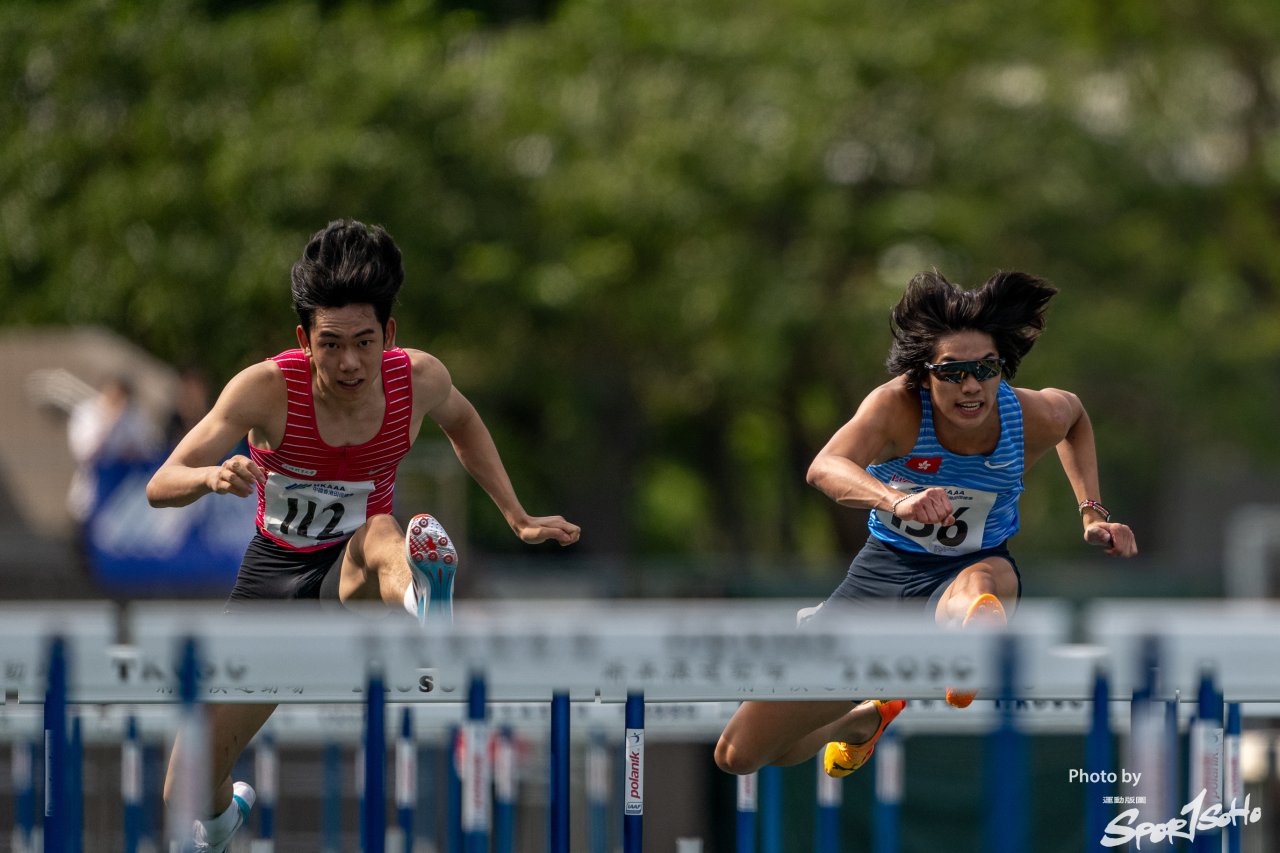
x: 124, y: 383
x: 1009, y: 306
x: 347, y: 263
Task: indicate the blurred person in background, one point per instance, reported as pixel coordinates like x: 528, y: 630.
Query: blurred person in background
x: 107, y: 427
x: 937, y: 454
x: 190, y: 404
x: 328, y: 424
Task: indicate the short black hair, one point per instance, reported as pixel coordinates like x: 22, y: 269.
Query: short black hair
x: 1009, y: 306
x: 347, y: 263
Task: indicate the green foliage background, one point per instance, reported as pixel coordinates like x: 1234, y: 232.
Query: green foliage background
x: 657, y: 241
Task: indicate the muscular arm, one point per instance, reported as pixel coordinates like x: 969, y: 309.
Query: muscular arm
x: 884, y: 426
x: 475, y: 449
x: 839, y: 470
x: 197, y: 467
x: 1055, y: 418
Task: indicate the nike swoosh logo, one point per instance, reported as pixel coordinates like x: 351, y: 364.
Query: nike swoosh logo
x: 1005, y: 465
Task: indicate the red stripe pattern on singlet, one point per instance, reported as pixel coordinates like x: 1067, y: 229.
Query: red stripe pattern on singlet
x: 304, y: 456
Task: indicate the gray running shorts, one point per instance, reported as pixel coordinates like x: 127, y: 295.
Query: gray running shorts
x: 881, y: 571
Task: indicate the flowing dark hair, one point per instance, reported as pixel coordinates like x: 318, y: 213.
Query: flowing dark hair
x: 1009, y: 306
x: 347, y: 263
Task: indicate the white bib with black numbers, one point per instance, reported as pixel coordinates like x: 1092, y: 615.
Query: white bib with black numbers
x: 970, y: 508
x: 306, y: 513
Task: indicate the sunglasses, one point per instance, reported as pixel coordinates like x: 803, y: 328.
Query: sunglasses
x: 955, y: 371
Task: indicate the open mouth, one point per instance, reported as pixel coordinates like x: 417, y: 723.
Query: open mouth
x: 350, y: 383
x: 971, y: 407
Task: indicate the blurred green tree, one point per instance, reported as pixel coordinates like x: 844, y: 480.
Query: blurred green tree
x: 657, y: 241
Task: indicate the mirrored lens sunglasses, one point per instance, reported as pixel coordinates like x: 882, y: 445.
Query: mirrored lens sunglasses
x: 955, y: 371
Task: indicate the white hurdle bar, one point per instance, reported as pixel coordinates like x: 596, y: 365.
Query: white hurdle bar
x: 696, y: 651
x: 672, y: 651
x: 599, y: 652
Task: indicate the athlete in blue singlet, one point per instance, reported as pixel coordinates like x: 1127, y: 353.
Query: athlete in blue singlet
x: 983, y: 488
x: 937, y: 455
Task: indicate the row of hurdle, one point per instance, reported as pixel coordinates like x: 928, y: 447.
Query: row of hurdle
x: 1149, y: 658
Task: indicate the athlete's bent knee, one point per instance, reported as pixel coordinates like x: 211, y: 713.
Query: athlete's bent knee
x: 730, y: 759
x: 383, y: 525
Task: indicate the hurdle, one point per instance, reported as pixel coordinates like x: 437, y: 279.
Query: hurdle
x: 55, y: 737
x: 131, y: 786
x: 1220, y: 658
x: 315, y: 730
x: 332, y: 819
x: 233, y: 668
x: 266, y: 776
x: 601, y: 656
x: 406, y: 779
x: 476, y: 770
x: 504, y: 791
x: 829, y: 795
x: 597, y: 793
x: 373, y: 791
x: 558, y: 830
x: 23, y: 763
x: 888, y: 792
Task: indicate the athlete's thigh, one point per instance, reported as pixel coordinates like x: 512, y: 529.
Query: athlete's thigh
x: 377, y: 546
x: 761, y: 731
x: 991, y: 574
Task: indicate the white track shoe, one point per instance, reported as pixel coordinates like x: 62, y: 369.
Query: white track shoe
x: 242, y: 800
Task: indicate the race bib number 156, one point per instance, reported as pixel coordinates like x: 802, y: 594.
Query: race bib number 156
x: 970, y: 508
x: 306, y: 513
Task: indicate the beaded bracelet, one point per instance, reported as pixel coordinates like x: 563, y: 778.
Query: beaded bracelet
x: 1096, y: 507
x: 893, y: 510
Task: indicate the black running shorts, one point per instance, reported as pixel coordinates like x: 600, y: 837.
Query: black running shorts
x: 271, y: 572
x: 881, y: 571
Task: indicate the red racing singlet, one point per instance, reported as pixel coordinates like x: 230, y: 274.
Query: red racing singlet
x: 317, y: 495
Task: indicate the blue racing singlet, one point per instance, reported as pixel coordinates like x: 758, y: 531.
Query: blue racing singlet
x: 983, y: 489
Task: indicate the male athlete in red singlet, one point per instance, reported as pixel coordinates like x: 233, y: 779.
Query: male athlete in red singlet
x: 327, y: 424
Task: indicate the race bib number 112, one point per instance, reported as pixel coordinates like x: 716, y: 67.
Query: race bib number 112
x: 305, y: 513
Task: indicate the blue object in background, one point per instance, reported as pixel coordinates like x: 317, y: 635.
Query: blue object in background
x: 136, y: 549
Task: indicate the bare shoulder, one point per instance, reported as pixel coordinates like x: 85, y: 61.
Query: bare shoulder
x: 894, y: 397
x: 884, y: 426
x: 1047, y: 415
x: 255, y: 395
x: 893, y: 407
x: 431, y: 380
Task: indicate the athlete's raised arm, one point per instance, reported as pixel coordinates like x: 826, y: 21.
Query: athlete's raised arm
x: 1054, y: 418
x: 474, y: 446
x: 884, y: 426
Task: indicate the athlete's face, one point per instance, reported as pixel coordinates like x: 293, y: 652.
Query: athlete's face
x: 346, y: 346
x: 971, y: 402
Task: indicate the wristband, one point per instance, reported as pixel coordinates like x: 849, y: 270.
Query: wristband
x: 1096, y: 507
